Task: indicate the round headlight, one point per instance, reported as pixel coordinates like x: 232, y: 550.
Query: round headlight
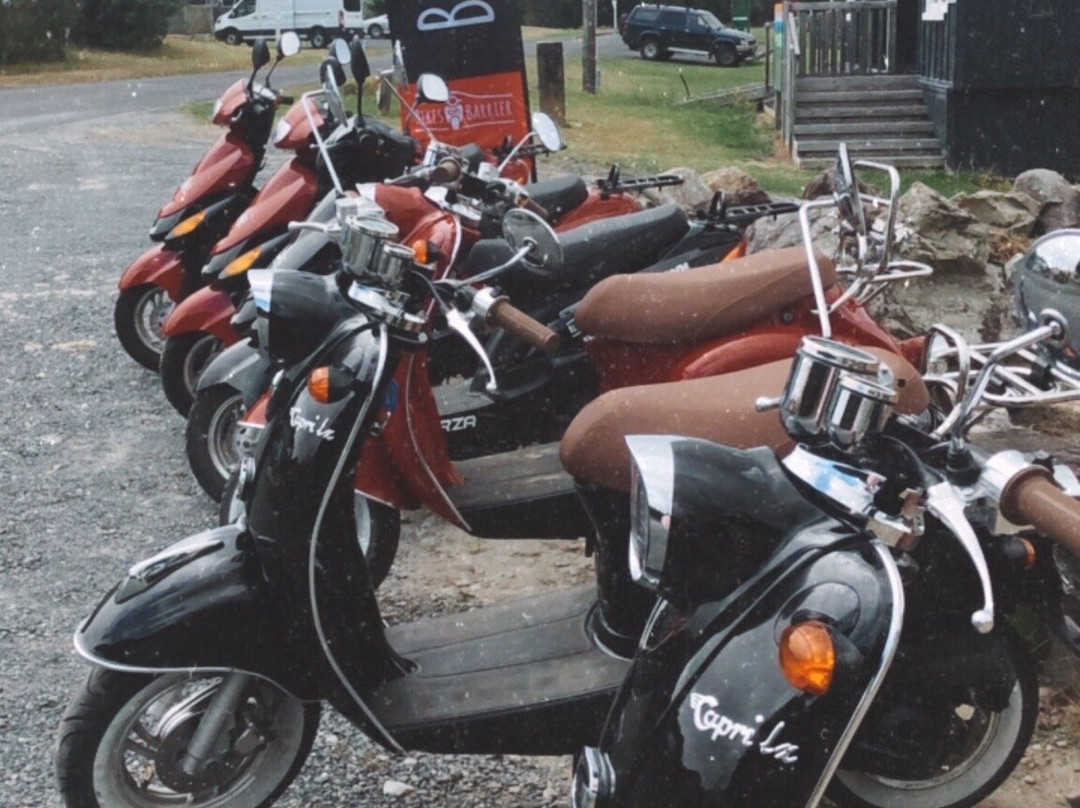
x: 217, y: 109
x: 281, y: 131
x: 651, y: 501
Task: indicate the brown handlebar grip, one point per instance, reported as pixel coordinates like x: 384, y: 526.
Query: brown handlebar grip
x: 520, y: 324
x: 539, y: 210
x: 1032, y: 498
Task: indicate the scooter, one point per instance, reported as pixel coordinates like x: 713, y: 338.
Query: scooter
x: 202, y: 209
x: 196, y: 696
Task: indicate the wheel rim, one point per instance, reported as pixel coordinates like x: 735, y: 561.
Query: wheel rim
x: 980, y: 742
x: 136, y: 762
x: 151, y: 312
x: 650, y: 50
x: 221, y: 436
x: 202, y: 353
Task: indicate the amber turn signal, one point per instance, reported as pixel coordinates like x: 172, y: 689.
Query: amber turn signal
x: 318, y: 384
x: 420, y: 249
x: 188, y: 225
x: 1031, y: 556
x: 238, y: 266
x: 808, y: 657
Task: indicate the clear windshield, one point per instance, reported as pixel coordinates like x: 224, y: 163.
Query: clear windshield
x: 243, y: 8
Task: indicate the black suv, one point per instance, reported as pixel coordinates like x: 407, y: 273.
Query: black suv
x: 660, y: 31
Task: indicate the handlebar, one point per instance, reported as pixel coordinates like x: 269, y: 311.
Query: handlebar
x: 1032, y: 498
x: 513, y: 320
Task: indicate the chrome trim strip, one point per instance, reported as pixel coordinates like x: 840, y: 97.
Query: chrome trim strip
x: 892, y: 642
x: 313, y: 543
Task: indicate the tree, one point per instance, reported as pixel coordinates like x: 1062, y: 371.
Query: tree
x: 34, y: 30
x: 125, y: 24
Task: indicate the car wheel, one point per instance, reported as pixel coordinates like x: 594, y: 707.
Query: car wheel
x: 317, y: 37
x: 725, y: 55
x: 650, y: 49
x: 375, y: 31
x: 232, y: 37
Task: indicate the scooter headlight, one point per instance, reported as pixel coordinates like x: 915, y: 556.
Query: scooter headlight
x: 281, y: 131
x: 651, y: 504
x: 217, y: 109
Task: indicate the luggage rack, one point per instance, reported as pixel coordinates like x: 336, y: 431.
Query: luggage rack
x: 614, y: 183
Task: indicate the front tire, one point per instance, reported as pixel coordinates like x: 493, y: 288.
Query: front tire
x: 317, y: 37
x: 232, y: 37
x: 121, y: 737
x: 210, y: 437
x: 983, y: 748
x: 375, y: 31
x: 378, y: 529
x: 183, y: 359
x: 725, y: 55
x: 139, y: 316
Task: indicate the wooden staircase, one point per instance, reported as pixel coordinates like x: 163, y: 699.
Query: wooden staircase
x: 881, y: 117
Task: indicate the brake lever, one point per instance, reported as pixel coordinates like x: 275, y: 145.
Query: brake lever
x: 460, y: 323
x: 946, y: 504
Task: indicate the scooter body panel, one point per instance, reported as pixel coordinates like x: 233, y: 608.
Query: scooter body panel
x: 230, y: 163
x: 158, y: 266
x: 298, y: 132
x: 208, y: 310
x: 241, y: 366
x: 287, y: 196
x: 203, y: 603
x: 234, y: 97
x: 708, y: 718
x: 596, y: 206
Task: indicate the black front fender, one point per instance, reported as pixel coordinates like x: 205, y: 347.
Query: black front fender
x: 242, y: 367
x: 203, y: 603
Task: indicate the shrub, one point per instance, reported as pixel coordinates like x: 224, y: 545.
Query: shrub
x: 125, y: 24
x: 34, y: 30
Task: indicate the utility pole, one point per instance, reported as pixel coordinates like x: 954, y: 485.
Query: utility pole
x: 588, y: 51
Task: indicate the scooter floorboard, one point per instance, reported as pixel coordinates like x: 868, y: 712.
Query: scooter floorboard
x: 518, y: 678
x: 520, y: 494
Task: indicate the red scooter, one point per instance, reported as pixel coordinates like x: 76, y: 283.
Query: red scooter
x: 201, y: 211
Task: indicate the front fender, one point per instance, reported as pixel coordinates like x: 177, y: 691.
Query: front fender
x: 204, y: 603
x: 206, y: 309
x: 158, y: 266
x: 242, y: 367
x: 707, y: 717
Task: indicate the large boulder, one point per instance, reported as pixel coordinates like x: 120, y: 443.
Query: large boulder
x: 692, y: 195
x: 784, y: 231
x: 738, y: 186
x: 1015, y: 213
x: 938, y: 232
x: 1059, y: 201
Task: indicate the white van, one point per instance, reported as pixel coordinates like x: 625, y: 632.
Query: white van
x: 315, y: 20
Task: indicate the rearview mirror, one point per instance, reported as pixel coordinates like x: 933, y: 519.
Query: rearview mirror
x: 430, y: 87
x: 547, y: 131
x: 260, y: 53
x: 521, y: 227
x: 332, y: 67
x: 359, y: 64
x: 288, y: 45
x: 340, y: 50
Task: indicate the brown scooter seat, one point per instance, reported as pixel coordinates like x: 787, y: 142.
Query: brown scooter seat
x: 719, y: 409
x: 698, y: 304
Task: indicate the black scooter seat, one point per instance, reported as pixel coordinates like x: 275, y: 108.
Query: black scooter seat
x: 558, y: 194
x: 524, y: 675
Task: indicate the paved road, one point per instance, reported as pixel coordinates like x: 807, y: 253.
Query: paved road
x: 34, y: 109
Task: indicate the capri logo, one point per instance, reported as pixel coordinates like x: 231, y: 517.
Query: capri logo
x: 707, y: 719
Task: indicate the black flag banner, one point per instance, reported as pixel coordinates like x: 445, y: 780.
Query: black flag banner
x: 475, y: 45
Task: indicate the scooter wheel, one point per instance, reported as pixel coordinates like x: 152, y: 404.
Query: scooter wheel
x: 378, y: 529
x: 183, y: 359
x: 210, y: 437
x: 981, y: 749
x: 122, y: 737
x: 138, y: 316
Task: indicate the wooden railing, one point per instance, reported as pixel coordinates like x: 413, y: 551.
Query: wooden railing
x: 843, y: 38
x: 937, y: 49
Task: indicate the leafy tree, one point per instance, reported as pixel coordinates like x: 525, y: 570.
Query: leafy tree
x: 34, y: 30
x: 125, y: 24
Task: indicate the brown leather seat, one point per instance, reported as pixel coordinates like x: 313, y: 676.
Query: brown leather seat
x: 698, y: 304
x: 719, y: 408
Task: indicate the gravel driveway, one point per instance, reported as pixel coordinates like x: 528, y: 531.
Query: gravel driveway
x: 93, y: 477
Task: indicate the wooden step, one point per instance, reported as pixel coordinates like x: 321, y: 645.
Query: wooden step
x: 860, y: 128
x: 914, y: 96
x: 825, y: 83
x: 910, y: 161
x: 829, y: 112
x: 859, y: 145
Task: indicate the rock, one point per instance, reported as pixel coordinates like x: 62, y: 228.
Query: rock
x: 396, y: 788
x: 940, y: 233
x: 1015, y: 212
x: 1058, y: 200
x: 1073, y: 800
x: 784, y: 231
x: 739, y: 187
x: 690, y: 196
x: 822, y: 185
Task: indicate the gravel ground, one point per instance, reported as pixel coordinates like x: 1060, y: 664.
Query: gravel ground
x: 93, y: 478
